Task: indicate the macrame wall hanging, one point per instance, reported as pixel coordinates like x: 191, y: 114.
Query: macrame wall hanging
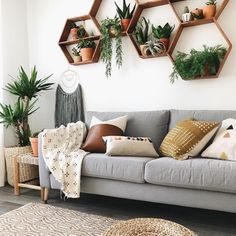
x: 69, y: 100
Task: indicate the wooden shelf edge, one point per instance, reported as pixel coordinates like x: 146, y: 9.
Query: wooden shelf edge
x: 70, y: 42
x: 197, y: 22
x: 151, y: 57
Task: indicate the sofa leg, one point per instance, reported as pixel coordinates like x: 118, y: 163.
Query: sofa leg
x: 46, y: 192
x: 42, y: 193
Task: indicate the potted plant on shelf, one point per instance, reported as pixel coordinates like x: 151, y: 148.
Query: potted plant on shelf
x: 27, y: 89
x: 198, y: 63
x: 76, y: 54
x: 197, y: 14
x: 73, y: 30
x: 141, y: 33
x: 163, y: 33
x: 209, y: 10
x: 125, y: 14
x: 34, y: 143
x: 87, y: 48
x: 187, y: 15
x: 81, y: 32
x: 111, y: 27
x: 154, y: 47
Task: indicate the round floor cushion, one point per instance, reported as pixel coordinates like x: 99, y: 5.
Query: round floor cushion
x: 148, y: 227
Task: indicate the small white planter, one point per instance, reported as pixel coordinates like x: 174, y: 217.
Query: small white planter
x: 186, y: 17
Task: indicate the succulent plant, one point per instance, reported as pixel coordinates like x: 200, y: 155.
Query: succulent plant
x: 162, y: 32
x: 141, y: 32
x: 76, y: 51
x: 186, y: 10
x: 154, y: 46
x: 125, y: 12
x: 197, y: 14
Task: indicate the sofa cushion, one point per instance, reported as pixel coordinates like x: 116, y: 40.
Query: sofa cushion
x: 208, y: 115
x: 153, y: 124
x: 195, y: 173
x: 130, y: 169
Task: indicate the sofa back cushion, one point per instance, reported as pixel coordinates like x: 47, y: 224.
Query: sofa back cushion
x: 206, y: 115
x: 153, y: 124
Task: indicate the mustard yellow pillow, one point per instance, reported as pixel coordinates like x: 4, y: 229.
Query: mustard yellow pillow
x: 188, y: 138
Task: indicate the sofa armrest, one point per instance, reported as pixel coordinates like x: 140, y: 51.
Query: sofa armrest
x: 44, y: 173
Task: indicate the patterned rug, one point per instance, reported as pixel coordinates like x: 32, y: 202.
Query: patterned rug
x: 45, y: 220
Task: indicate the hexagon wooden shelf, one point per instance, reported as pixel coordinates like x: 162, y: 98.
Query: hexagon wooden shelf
x: 64, y: 42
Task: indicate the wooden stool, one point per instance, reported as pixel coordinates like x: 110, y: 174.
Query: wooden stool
x: 25, y: 159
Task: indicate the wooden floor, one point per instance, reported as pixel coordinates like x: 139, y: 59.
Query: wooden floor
x: 206, y: 223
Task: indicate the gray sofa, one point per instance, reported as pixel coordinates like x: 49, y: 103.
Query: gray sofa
x: 197, y: 182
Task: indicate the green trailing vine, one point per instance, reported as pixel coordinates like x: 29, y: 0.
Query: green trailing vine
x: 111, y: 26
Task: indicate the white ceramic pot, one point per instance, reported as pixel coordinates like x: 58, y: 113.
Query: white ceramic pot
x: 186, y: 17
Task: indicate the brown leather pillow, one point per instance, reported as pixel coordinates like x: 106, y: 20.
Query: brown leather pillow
x: 94, y: 141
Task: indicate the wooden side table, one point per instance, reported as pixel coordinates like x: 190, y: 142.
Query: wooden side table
x: 25, y: 159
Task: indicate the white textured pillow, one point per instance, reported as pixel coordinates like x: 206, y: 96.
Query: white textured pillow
x: 224, y: 144
x: 120, y: 122
x: 129, y: 146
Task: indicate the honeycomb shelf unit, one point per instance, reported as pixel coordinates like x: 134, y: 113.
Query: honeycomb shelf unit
x: 64, y: 42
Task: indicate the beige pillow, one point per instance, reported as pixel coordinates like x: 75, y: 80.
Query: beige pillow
x: 119, y: 122
x: 129, y: 146
x: 188, y: 138
x: 224, y: 144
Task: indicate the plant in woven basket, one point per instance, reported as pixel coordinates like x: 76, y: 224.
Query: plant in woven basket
x: 111, y: 27
x: 27, y: 89
x: 198, y: 63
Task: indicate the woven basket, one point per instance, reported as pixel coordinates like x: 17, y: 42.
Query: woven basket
x: 27, y: 172
x: 148, y: 227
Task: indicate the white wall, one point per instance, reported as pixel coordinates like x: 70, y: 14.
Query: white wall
x: 15, y: 48
x: 140, y: 84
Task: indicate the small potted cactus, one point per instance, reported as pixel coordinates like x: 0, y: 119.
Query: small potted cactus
x: 187, y: 15
x: 209, y: 10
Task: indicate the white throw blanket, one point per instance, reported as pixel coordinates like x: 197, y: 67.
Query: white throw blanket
x: 63, y: 156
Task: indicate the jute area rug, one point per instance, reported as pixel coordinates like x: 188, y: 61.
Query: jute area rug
x: 45, y: 220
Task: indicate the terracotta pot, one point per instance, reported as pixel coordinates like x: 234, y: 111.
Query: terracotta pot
x: 74, y: 33
x: 209, y: 11
x: 166, y: 42
x: 77, y: 59
x: 34, y: 146
x: 86, y: 54
x: 125, y: 24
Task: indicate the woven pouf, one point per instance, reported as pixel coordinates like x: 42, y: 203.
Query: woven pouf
x: 148, y: 227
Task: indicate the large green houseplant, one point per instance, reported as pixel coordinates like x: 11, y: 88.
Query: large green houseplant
x: 111, y: 28
x: 26, y: 89
x: 198, y: 63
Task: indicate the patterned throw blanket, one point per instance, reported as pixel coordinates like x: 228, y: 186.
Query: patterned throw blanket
x: 63, y: 156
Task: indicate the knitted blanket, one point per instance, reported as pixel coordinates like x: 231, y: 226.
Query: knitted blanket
x: 63, y: 156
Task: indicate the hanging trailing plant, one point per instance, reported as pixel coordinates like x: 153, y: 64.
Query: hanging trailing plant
x: 111, y: 27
